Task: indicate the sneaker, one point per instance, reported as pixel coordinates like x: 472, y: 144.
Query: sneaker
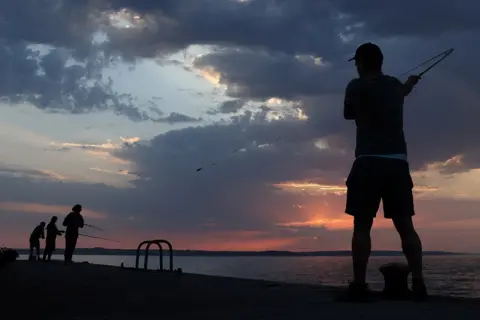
x: 356, y: 293
x: 419, y: 290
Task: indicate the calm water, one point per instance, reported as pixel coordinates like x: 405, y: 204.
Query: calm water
x: 446, y: 275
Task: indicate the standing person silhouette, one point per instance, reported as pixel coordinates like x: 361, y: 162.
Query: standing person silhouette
x: 73, y: 221
x: 37, y: 234
x: 380, y: 170
x: 50, y: 241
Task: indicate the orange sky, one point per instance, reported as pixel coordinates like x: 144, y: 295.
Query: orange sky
x: 447, y: 219
x: 317, y: 225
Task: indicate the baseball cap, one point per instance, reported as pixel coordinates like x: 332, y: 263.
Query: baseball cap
x: 368, y: 51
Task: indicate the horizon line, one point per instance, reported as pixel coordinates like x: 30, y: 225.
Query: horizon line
x: 285, y: 252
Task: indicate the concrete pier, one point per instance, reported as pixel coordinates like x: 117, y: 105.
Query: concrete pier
x: 86, y: 291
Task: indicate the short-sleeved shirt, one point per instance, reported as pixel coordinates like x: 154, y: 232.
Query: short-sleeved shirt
x: 52, y: 231
x: 376, y: 104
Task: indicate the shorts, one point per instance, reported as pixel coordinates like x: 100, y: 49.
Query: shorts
x: 372, y: 179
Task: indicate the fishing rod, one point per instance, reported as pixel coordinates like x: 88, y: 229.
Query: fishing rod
x: 441, y: 56
x: 100, y: 238
x: 93, y: 227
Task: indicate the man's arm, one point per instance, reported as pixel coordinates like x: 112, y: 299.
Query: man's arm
x: 66, y: 221
x: 410, y: 84
x: 352, y: 100
x: 56, y: 230
x: 82, y: 222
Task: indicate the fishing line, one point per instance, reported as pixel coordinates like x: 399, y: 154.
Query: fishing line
x: 86, y: 235
x: 441, y: 56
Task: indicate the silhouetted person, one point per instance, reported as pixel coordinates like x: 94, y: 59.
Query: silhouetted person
x: 50, y: 241
x: 37, y: 233
x: 73, y: 221
x: 380, y: 170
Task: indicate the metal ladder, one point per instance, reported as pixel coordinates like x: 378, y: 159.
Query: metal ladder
x: 148, y: 244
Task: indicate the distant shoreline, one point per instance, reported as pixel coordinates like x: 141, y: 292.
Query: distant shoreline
x: 204, y: 253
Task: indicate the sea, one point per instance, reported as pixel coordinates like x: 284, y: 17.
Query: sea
x: 456, y: 275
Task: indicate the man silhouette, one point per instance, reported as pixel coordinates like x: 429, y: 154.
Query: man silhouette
x: 73, y: 221
x: 37, y: 233
x: 380, y: 170
x: 50, y: 241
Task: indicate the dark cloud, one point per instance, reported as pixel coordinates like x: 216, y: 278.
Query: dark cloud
x: 426, y: 18
x: 166, y: 27
x: 274, y: 25
x: 58, y: 23
x: 238, y: 193
x: 55, y: 83
x: 175, y: 117
x: 230, y: 106
x: 260, y: 75
x: 64, y: 74
x: 240, y: 162
x: 440, y: 114
x: 282, y: 28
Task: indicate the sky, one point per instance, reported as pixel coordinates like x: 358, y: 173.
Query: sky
x: 115, y: 104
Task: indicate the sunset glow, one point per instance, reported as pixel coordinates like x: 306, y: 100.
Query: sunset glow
x: 44, y: 209
x: 333, y: 189
x: 333, y: 224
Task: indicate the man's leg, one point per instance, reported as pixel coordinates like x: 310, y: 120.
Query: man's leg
x: 67, y: 249
x: 398, y: 204
x: 70, y: 243
x: 361, y: 248
x: 363, y: 200
x: 74, y: 245
x: 411, y: 245
x: 47, y: 251
x: 38, y: 250
x: 31, y: 251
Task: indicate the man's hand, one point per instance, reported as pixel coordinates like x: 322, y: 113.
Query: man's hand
x: 413, y: 80
x: 410, y: 83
